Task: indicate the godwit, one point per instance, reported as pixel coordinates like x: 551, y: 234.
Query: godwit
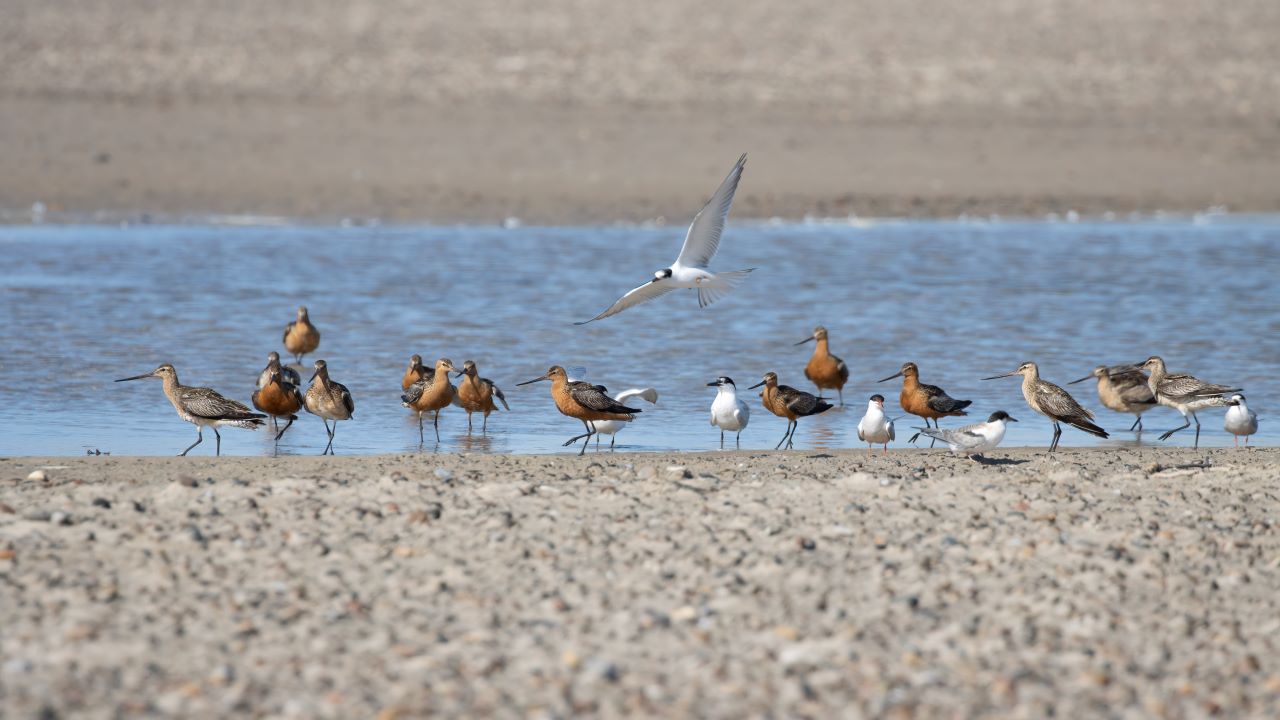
x: 874, y: 428
x: 1240, y: 420
x: 973, y: 439
x: 788, y: 402
x: 1123, y: 388
x: 1184, y: 393
x: 431, y: 394
x: 926, y: 401
x: 328, y: 399
x: 824, y: 369
x: 728, y: 411
x: 476, y: 394
x: 287, y: 373
x: 278, y: 398
x: 202, y: 407
x: 584, y: 401
x: 300, y: 336
x: 1053, y: 402
x: 612, y: 427
x: 690, y: 268
x: 417, y: 371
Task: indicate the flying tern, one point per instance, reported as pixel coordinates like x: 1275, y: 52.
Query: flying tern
x: 690, y: 268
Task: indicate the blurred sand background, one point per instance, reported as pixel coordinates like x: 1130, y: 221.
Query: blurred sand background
x: 572, y: 111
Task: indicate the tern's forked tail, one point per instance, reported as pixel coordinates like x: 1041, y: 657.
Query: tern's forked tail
x: 720, y: 285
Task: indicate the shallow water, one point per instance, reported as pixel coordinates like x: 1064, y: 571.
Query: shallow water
x: 83, y: 305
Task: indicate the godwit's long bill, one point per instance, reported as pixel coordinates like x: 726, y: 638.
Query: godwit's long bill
x: 825, y: 370
x: 1123, y: 388
x: 926, y: 401
x: 202, y: 406
x: 1053, y: 402
x: 690, y: 268
x: 1184, y: 393
x: 790, y: 403
x: 584, y: 401
x: 328, y: 399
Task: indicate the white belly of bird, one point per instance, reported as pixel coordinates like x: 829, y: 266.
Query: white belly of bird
x: 727, y: 413
x: 607, y: 427
x: 1240, y: 421
x: 686, y: 277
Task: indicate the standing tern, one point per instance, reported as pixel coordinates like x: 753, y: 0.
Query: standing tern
x: 728, y: 411
x: 1240, y: 420
x: 690, y: 268
x: 611, y: 427
x: 874, y: 428
x: 973, y: 439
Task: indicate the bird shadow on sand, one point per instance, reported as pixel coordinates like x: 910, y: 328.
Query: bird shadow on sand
x: 999, y: 461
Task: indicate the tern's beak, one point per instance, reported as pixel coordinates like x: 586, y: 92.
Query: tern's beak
x: 1086, y: 377
x: 1011, y: 419
x: 530, y: 382
x: 897, y: 374
x: 138, y: 377
x: 753, y: 387
x: 995, y: 377
x: 713, y: 383
x: 811, y: 338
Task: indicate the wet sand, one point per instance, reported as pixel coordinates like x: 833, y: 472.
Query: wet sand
x: 1090, y: 583
x: 572, y: 112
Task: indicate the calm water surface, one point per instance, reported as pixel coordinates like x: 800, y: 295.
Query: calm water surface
x: 83, y: 305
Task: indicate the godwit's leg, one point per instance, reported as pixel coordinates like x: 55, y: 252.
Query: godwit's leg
x: 1186, y: 423
x: 576, y: 438
x: 484, y: 426
x: 199, y: 439
x: 795, y: 425
x: 332, y: 434
x: 840, y: 392
x: 286, y: 427
x: 1057, y: 433
x: 217, y: 435
x: 1137, y: 423
x: 468, y: 423
x: 1193, y: 417
x: 421, y: 437
x: 932, y: 439
x: 784, y: 436
x: 435, y: 422
x: 585, y: 443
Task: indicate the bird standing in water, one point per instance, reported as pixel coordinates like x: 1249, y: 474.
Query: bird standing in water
x: 1053, y: 402
x: 300, y: 336
x: 790, y: 403
x: 328, y: 399
x: 202, y: 407
x: 825, y: 370
x: 728, y: 411
x: 874, y: 428
x: 584, y: 401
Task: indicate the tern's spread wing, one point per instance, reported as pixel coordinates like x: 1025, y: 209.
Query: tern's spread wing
x: 704, y: 233
x: 647, y: 393
x: 642, y: 294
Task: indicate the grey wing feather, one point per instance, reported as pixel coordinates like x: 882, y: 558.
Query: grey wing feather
x: 207, y: 403
x: 497, y: 392
x: 643, y: 294
x: 591, y: 398
x: 347, y: 401
x: 1058, y: 402
x: 703, y: 239
x: 415, y: 391
x: 1183, y: 386
x: 1135, y: 391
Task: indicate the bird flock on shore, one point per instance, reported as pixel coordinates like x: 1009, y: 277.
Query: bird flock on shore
x: 1123, y: 388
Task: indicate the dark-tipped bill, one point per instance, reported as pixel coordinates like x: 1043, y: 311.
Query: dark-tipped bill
x: 138, y: 377
x: 530, y: 382
x: 897, y: 374
x: 1086, y: 377
x: 997, y: 377
x: 753, y: 387
x: 811, y: 338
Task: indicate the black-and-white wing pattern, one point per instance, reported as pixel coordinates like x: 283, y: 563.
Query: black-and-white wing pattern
x: 497, y: 392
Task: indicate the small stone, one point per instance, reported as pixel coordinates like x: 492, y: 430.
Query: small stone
x: 786, y: 632
x: 686, y: 613
x: 7, y: 509
x: 444, y: 474
x: 188, y: 481
x: 404, y: 551
x: 37, y: 476
x: 571, y: 660
x: 102, y: 503
x: 806, y: 543
x: 7, y: 554
x: 59, y: 518
x: 16, y: 666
